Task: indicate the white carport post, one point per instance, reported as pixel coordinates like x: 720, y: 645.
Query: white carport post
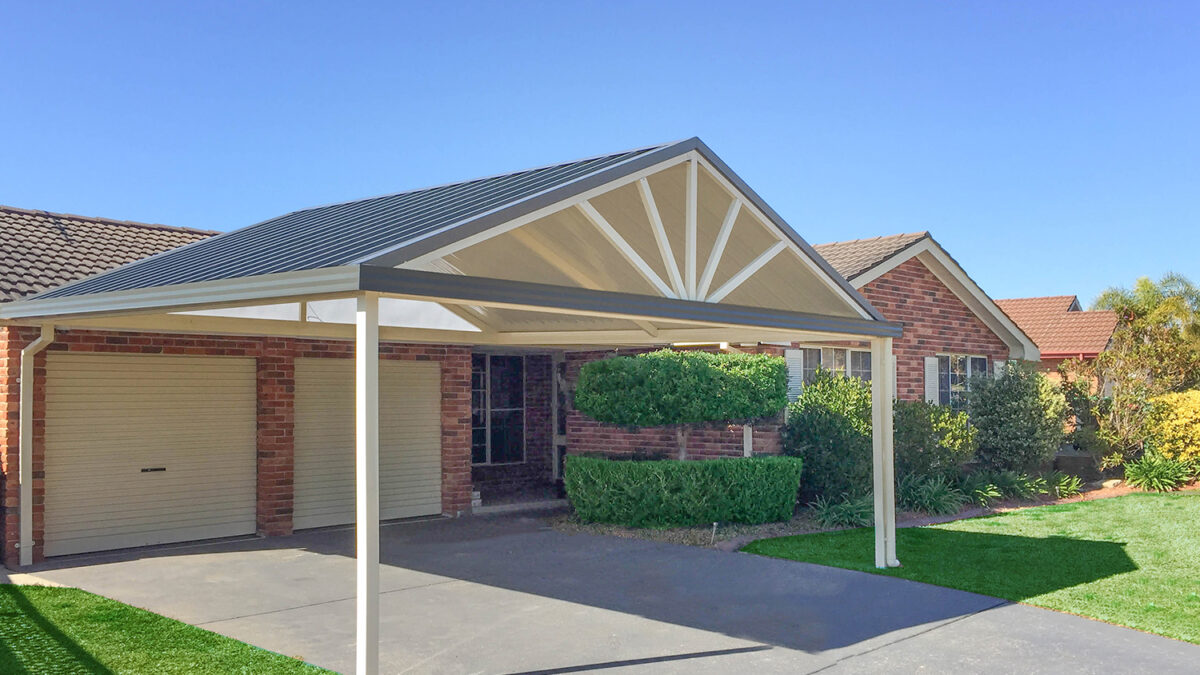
x: 366, y: 462
x: 882, y: 374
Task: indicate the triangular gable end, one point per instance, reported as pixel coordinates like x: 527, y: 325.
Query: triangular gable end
x: 678, y: 225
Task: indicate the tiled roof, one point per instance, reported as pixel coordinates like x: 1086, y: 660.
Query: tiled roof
x: 1057, y: 325
x: 852, y: 258
x: 41, y: 250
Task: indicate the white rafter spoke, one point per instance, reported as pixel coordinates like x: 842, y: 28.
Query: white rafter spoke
x: 690, y: 245
x: 747, y: 271
x: 626, y: 250
x: 557, y: 259
x: 718, y: 250
x: 660, y: 236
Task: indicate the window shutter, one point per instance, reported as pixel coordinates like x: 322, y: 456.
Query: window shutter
x: 998, y: 367
x: 931, y: 379
x: 794, y: 359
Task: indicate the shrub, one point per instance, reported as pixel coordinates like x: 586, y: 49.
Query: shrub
x: 1063, y: 485
x: 1019, y: 418
x: 669, y: 493
x: 1157, y: 473
x: 1012, y: 485
x: 931, y: 440
x: 829, y: 426
x: 844, y: 512
x: 681, y: 389
x: 935, y: 495
x: 1175, y: 423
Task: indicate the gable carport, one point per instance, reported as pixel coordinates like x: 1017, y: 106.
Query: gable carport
x: 650, y: 247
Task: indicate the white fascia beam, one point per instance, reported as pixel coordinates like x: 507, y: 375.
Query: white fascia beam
x: 690, y: 226
x: 25, y: 442
x: 747, y: 271
x: 718, y: 250
x: 630, y: 255
x: 318, y: 284
x: 660, y: 236
x: 366, y: 482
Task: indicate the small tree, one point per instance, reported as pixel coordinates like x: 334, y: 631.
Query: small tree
x: 1155, y: 350
x: 1018, y: 418
x: 683, y: 390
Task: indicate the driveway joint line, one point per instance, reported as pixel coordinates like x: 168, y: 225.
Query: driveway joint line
x: 927, y: 631
x: 324, y: 602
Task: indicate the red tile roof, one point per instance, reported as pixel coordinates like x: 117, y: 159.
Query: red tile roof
x: 1058, y: 327
x: 41, y: 250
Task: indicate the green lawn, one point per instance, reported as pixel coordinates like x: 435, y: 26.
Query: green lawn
x: 66, y: 630
x: 1133, y: 560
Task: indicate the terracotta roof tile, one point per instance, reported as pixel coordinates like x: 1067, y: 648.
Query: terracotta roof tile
x: 41, y: 250
x: 1058, y: 326
x: 852, y: 258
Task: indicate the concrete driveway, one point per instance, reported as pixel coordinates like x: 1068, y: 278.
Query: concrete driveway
x: 504, y: 594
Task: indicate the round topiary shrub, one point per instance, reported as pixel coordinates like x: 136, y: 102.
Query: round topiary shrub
x: 682, y: 389
x: 1018, y: 417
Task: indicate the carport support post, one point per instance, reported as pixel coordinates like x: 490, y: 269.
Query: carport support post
x: 882, y: 447
x: 366, y: 463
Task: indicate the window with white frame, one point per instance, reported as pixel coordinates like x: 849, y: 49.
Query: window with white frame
x: 803, y: 364
x: 954, y: 371
x: 497, y: 409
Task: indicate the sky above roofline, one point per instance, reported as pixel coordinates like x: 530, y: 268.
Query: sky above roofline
x: 1048, y: 147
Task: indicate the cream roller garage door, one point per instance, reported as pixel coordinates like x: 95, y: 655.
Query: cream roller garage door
x: 147, y: 450
x: 410, y: 448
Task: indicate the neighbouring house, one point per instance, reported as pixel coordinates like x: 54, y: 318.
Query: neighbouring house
x: 233, y: 385
x: 1061, y: 328
x: 952, y: 329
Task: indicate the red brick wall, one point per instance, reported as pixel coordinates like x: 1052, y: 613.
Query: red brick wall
x: 585, y: 435
x: 935, y: 321
x: 275, y: 385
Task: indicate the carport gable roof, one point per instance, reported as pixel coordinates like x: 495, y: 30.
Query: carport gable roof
x: 324, y: 243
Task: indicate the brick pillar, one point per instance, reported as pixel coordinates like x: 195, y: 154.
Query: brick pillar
x: 276, y: 442
x: 11, y: 342
x: 456, y: 431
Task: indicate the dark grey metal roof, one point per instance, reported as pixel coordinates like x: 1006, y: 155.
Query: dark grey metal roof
x: 358, y: 231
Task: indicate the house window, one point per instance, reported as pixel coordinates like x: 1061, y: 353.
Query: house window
x: 497, y: 409
x: 852, y: 362
x: 954, y: 370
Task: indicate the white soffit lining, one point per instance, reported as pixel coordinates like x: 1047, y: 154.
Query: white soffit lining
x: 394, y: 312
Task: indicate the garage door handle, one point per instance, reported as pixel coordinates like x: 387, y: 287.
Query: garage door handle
x: 152, y: 469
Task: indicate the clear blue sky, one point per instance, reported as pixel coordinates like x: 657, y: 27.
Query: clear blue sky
x: 1052, y: 148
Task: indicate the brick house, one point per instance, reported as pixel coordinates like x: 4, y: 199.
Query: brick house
x: 952, y: 329
x: 243, y: 382
x: 1061, y: 328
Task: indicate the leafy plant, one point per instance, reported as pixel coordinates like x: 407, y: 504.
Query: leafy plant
x: 668, y: 493
x: 931, y: 440
x: 1063, y: 485
x: 1018, y: 417
x: 683, y: 389
x: 935, y: 495
x: 844, y: 512
x: 978, y: 488
x: 829, y: 426
x: 1157, y: 473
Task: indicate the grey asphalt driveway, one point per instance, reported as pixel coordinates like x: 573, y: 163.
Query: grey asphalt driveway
x: 505, y: 594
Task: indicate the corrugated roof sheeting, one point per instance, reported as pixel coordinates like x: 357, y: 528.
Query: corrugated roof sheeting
x: 340, y: 234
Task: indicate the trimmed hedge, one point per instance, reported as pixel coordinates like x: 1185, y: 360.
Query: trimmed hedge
x: 675, y: 493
